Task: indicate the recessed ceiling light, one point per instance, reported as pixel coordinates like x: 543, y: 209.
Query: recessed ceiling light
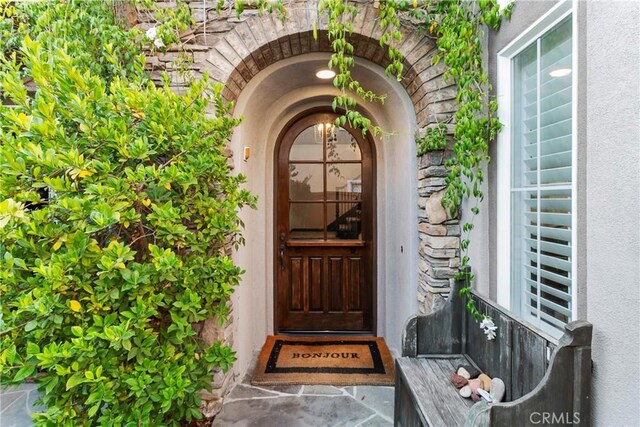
x: 325, y: 74
x: 561, y: 72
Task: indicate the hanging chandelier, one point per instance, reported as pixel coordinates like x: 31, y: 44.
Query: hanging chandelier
x: 329, y: 128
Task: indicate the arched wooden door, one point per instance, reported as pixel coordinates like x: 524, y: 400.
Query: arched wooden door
x: 324, y: 228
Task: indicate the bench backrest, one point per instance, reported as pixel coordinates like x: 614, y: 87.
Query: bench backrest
x: 519, y: 354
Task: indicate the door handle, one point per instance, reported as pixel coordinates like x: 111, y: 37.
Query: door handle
x: 281, y: 256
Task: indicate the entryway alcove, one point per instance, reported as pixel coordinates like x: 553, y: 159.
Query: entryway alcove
x: 271, y: 103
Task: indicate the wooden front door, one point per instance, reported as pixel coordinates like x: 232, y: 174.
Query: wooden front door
x: 324, y: 232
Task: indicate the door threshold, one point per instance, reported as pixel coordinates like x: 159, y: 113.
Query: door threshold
x: 293, y: 333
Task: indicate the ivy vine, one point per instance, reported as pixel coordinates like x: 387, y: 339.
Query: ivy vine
x: 459, y: 28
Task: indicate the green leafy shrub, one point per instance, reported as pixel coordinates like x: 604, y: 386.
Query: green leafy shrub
x: 87, y: 30
x: 117, y: 209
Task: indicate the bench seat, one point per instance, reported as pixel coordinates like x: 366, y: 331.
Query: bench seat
x: 427, y: 380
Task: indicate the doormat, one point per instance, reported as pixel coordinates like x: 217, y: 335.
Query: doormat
x: 339, y: 361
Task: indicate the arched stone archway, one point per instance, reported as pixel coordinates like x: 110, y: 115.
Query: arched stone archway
x: 260, y: 41
x: 234, y: 50
x: 255, y: 44
x: 272, y: 99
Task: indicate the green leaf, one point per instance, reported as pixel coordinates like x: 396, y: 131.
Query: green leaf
x: 76, y: 330
x: 74, y: 380
x: 93, y: 410
x: 62, y: 370
x: 53, y: 381
x: 24, y: 372
x: 32, y: 348
x: 31, y: 325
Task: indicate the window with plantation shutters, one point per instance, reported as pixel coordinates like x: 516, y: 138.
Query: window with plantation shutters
x: 541, y: 180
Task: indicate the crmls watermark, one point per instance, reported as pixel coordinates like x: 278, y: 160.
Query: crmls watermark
x: 555, y: 418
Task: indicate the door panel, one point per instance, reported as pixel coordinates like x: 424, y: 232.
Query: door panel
x: 355, y: 267
x: 316, y: 283
x: 335, y: 283
x: 324, y: 230
x: 296, y: 284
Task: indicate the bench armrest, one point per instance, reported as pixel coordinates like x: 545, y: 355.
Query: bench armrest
x: 563, y: 393
x: 439, y: 332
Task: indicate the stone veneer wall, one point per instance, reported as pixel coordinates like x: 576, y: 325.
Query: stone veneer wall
x: 439, y: 234
x: 232, y: 50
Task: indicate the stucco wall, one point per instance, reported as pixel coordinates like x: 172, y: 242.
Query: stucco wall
x: 612, y: 211
x: 608, y: 185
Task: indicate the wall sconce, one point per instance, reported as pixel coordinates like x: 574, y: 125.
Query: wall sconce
x: 246, y: 153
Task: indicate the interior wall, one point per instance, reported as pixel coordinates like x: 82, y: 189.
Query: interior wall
x: 271, y: 99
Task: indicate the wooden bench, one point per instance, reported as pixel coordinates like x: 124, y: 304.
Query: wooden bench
x: 547, y: 381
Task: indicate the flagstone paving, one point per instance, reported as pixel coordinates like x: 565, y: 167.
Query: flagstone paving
x: 307, y: 406
x: 247, y: 405
x: 16, y: 403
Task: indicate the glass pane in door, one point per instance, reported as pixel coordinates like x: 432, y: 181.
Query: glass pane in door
x: 344, y: 220
x: 306, y: 181
x: 308, y: 145
x: 306, y: 220
x: 344, y: 181
x: 341, y: 145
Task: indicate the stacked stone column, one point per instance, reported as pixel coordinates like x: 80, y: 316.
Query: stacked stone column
x: 438, y: 232
x: 210, y: 332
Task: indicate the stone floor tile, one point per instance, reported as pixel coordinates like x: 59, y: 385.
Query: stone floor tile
x: 351, y: 390
x: 263, y: 406
x: 8, y: 398
x: 243, y: 391
x: 376, y: 421
x: 299, y: 411
x: 286, y: 389
x: 16, y: 403
x: 19, y: 387
x: 16, y: 415
x: 378, y: 398
x: 326, y: 390
x: 32, y: 397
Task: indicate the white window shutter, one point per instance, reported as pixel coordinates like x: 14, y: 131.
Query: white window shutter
x: 542, y: 187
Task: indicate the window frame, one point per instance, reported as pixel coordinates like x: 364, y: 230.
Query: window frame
x: 504, y: 90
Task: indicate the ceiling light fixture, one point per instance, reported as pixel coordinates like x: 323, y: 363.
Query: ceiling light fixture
x: 325, y: 74
x: 561, y: 72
